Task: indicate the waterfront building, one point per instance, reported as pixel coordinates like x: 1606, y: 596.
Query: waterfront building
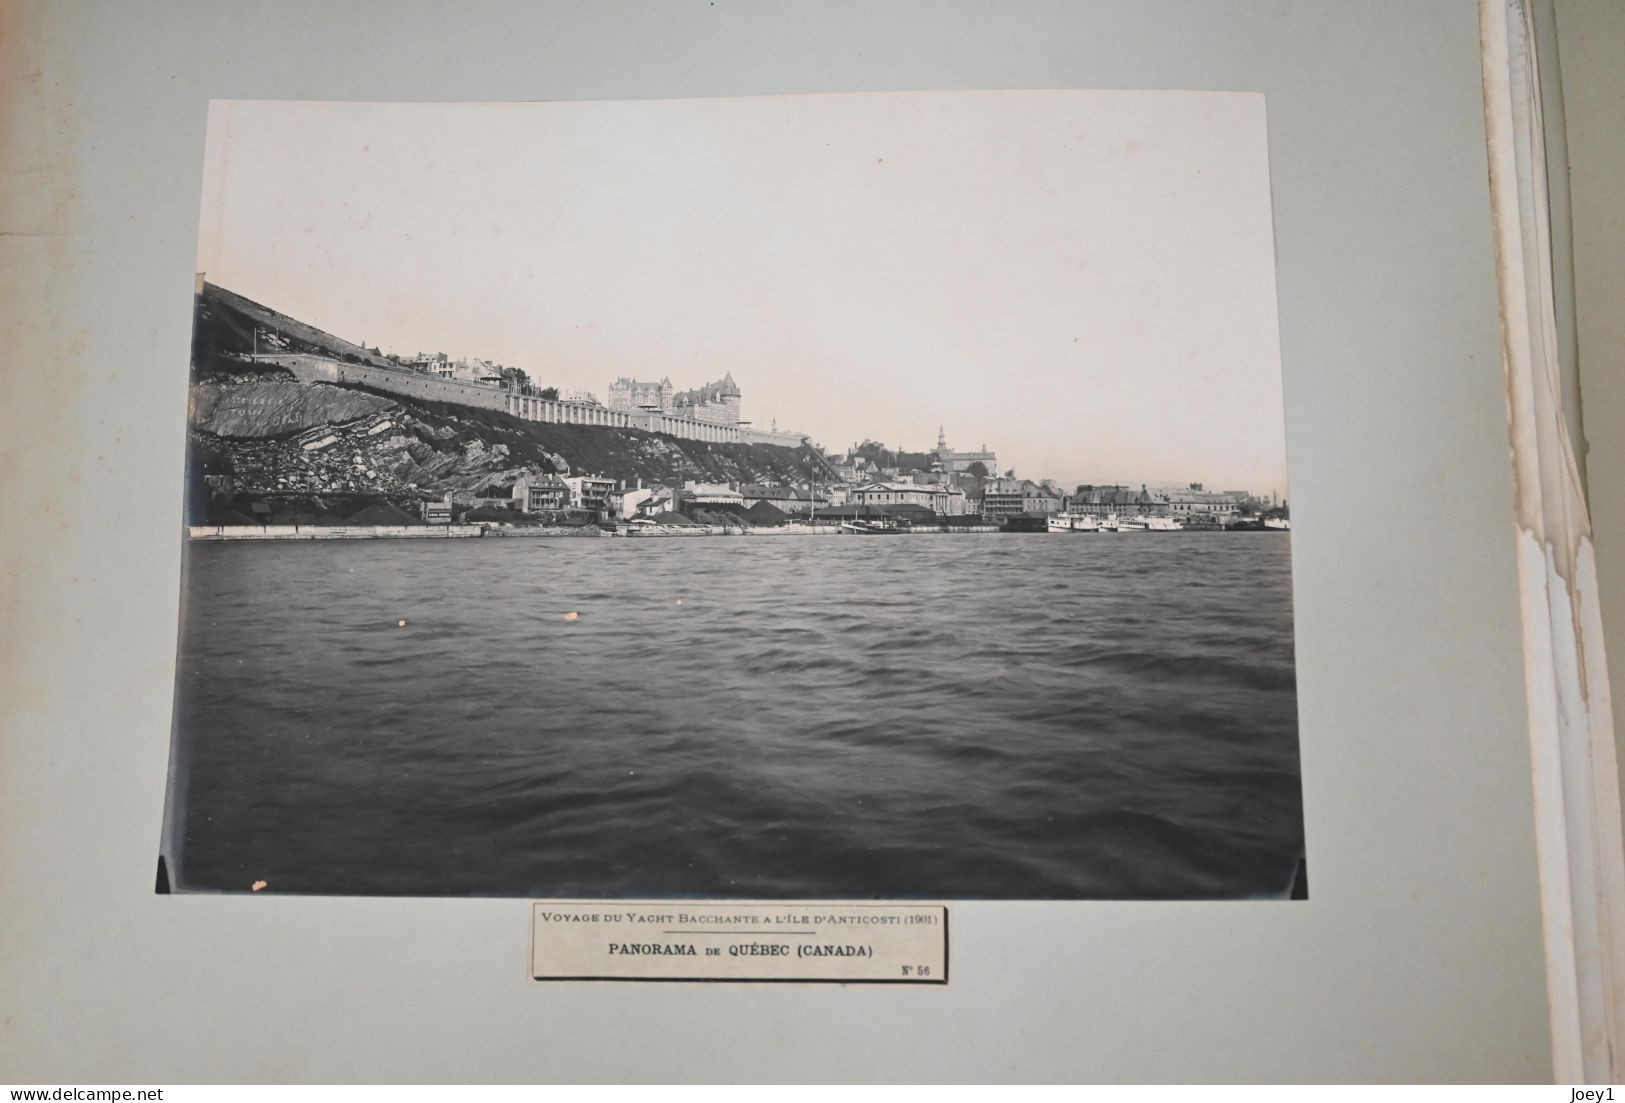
x: 796, y: 501
x: 765, y: 513
x: 1040, y: 498
x: 1198, y: 507
x: 1002, y: 498
x: 936, y: 498
x: 780, y: 497
x: 541, y: 493
x: 890, y: 493
x: 1090, y: 500
x: 1006, y: 497
x: 713, y: 494
x: 630, y: 501
x: 591, y: 493
x: 663, y: 500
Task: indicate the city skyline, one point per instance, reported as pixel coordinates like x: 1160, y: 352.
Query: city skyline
x: 1081, y: 280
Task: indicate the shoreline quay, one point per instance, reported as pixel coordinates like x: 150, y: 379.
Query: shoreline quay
x: 333, y: 532
x: 240, y: 533
x: 222, y: 533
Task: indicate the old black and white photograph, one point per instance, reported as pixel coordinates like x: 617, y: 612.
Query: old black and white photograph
x: 849, y: 496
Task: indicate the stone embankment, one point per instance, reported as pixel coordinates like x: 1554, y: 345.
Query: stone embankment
x: 332, y: 532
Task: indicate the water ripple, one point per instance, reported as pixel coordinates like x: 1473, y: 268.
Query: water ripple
x: 963, y: 717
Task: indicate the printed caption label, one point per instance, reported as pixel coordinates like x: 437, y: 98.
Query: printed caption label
x: 790, y: 942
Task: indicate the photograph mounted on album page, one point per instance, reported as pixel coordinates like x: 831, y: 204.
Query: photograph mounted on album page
x: 819, y: 497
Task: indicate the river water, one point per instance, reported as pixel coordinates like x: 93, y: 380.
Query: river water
x: 972, y: 716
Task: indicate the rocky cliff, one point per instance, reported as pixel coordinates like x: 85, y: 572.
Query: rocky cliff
x: 272, y: 437
x: 258, y: 435
x: 268, y: 409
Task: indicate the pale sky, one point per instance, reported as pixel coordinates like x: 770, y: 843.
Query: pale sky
x: 1083, y: 281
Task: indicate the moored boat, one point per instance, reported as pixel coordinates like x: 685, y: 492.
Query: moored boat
x: 1144, y: 523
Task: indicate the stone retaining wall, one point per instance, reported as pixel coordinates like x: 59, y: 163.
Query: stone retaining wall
x: 412, y: 384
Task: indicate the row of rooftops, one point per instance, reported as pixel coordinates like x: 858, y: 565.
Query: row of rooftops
x: 1117, y: 497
